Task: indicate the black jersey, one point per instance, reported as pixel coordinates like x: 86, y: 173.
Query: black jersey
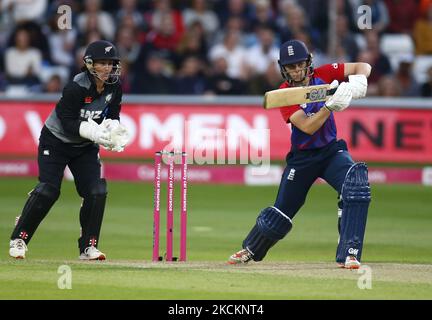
x: 80, y: 100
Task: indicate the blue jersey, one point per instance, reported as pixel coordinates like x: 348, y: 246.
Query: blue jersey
x: 327, y: 133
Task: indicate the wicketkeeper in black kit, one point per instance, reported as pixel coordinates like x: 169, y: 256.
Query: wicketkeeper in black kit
x: 86, y: 116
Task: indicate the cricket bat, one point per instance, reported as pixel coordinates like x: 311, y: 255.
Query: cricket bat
x: 297, y: 95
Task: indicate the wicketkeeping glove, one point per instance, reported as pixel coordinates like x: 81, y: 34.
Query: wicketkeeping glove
x: 97, y: 133
x: 118, y: 134
x: 119, y: 138
x: 110, y: 124
x: 341, y: 99
x: 358, y: 84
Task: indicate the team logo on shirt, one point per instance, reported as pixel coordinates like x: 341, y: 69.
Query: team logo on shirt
x: 335, y: 65
x: 88, y: 100
x: 291, y: 174
x: 85, y: 114
x: 108, y: 98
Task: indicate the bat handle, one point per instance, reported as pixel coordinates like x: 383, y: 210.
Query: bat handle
x: 331, y: 91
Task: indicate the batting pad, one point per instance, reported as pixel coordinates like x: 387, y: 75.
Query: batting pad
x: 271, y: 226
x: 356, y: 197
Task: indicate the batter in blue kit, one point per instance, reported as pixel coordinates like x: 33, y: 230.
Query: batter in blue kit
x: 316, y: 153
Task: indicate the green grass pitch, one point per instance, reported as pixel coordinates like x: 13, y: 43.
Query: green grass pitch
x: 397, y: 247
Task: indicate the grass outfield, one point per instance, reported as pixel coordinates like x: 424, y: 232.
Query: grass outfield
x: 397, y: 249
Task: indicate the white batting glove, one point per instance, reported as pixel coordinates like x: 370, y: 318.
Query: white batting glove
x: 358, y: 84
x: 341, y: 99
x: 97, y: 133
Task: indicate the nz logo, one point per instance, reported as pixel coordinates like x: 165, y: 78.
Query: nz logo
x: 90, y: 114
x: 290, y: 50
x: 108, y: 49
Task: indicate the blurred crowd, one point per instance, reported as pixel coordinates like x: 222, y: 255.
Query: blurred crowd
x: 215, y: 47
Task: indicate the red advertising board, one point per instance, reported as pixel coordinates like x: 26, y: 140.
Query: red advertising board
x: 220, y: 131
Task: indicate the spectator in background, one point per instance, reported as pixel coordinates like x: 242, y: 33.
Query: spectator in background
x: 190, y: 78
x: 38, y: 39
x: 127, y: 44
x: 62, y: 43
x: 316, y: 20
x: 263, y: 15
x: 234, y: 53
x: 345, y: 8
x: 128, y: 8
x: 403, y: 15
x: 126, y: 77
x: 389, y: 86
x: 319, y: 57
x: 200, y: 13
x: 156, y: 77
x: 127, y: 21
x: 53, y: 85
x: 380, y: 63
x: 93, y: 18
x: 423, y: 7
x: 235, y: 24
x: 163, y: 14
x: 423, y: 33
x: 22, y: 11
x: 294, y: 22
x: 234, y: 8
x: 165, y: 35
x: 22, y: 62
x: 265, y: 53
x: 221, y: 83
x: 262, y: 60
x: 408, y: 85
x: 426, y: 88
x: 346, y: 38
x: 380, y: 16
x: 193, y: 43
x: 341, y: 55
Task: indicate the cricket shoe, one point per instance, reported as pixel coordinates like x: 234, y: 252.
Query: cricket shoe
x: 351, y: 262
x: 92, y: 253
x: 242, y: 256
x: 17, y: 248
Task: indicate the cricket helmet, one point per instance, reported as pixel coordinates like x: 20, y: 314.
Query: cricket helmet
x: 103, y: 50
x: 291, y: 52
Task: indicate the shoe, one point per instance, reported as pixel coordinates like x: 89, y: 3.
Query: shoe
x: 242, y: 256
x: 17, y: 248
x: 351, y: 262
x: 92, y: 253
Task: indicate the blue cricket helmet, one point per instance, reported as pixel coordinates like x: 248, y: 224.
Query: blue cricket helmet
x: 294, y: 51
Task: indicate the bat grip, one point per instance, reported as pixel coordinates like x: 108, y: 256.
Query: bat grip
x: 331, y: 91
